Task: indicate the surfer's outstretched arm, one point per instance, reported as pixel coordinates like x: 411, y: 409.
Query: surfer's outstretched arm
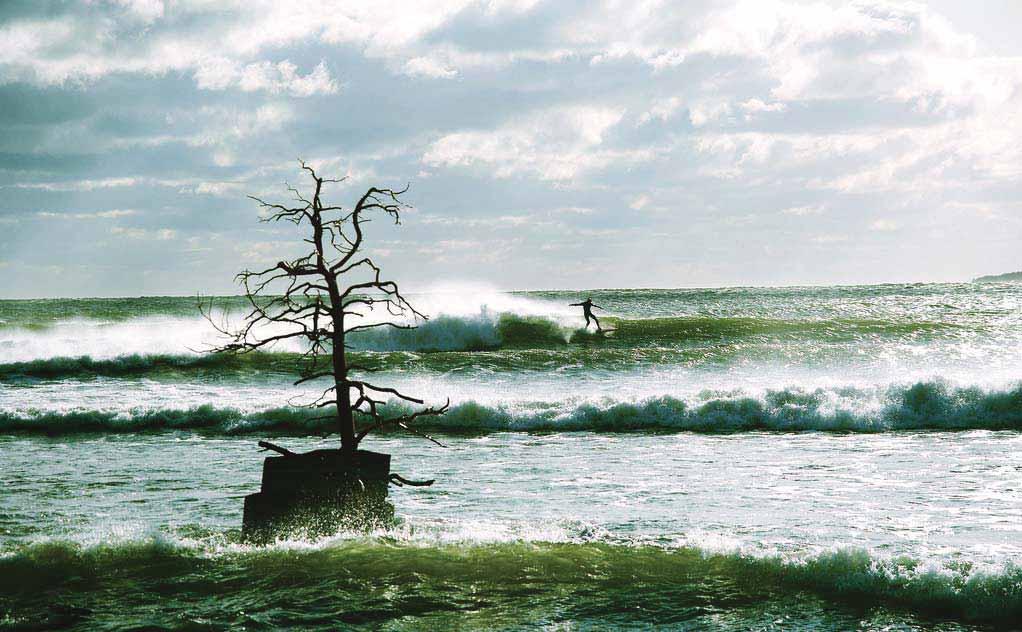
x: 574, y: 304
x: 598, y: 307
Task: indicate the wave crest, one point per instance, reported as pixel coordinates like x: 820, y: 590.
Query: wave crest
x: 149, y: 364
x: 932, y: 406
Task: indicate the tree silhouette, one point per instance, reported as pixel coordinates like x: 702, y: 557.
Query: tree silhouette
x: 322, y: 297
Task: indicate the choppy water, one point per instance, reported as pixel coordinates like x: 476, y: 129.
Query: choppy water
x: 727, y: 459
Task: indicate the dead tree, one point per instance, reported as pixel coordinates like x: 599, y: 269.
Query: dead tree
x: 319, y: 299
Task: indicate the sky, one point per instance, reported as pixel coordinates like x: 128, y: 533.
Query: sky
x: 558, y: 144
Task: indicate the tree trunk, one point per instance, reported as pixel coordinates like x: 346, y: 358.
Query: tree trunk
x: 345, y: 415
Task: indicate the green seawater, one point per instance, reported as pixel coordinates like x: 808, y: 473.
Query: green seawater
x: 390, y: 586
x: 740, y: 458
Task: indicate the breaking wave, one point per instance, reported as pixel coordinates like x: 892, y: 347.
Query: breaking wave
x: 475, y: 333
x: 528, y: 342
x: 381, y: 577
x: 929, y: 406
x: 163, y: 338
x: 486, y: 331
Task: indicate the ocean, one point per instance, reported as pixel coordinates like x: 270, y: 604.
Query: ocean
x: 740, y: 458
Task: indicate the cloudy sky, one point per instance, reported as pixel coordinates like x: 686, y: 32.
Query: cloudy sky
x: 553, y: 144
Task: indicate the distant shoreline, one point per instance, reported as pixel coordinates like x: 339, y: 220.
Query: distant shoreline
x: 997, y: 278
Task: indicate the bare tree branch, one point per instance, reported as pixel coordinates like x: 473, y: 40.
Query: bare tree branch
x: 307, y: 301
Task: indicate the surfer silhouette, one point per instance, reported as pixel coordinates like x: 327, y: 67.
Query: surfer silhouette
x: 587, y: 311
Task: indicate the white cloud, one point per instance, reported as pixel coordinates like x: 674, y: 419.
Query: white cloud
x: 496, y: 7
x: 829, y: 239
x: 223, y: 43
x: 157, y: 234
x: 282, y: 77
x: 555, y: 144
x: 500, y: 222
x: 428, y: 67
x: 883, y: 225
x: 146, y: 10
x: 78, y: 185
x: 661, y: 109
x: 111, y: 214
x: 225, y: 125
x: 639, y: 202
x: 755, y: 106
x: 22, y: 47
x: 803, y: 211
x: 708, y: 111
x: 221, y: 189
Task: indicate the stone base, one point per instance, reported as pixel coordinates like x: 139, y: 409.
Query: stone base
x: 318, y: 493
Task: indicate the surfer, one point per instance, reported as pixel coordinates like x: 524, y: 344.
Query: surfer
x: 587, y: 311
